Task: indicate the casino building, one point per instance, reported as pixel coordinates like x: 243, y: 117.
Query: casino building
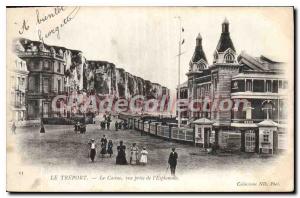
x: 257, y: 124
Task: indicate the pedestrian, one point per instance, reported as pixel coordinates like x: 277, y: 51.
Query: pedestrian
x: 82, y: 128
x: 134, y: 152
x: 144, y: 157
x: 42, y: 130
x: 125, y: 124
x: 116, y: 125
x: 13, y: 128
x: 104, y: 140
x: 121, y: 156
x: 92, y: 149
x: 103, y: 125
x: 120, y: 125
x: 108, y: 124
x: 173, y: 161
x: 76, y: 127
x: 110, y: 148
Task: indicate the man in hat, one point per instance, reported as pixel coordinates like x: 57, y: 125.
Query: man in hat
x: 92, y: 149
x: 173, y: 161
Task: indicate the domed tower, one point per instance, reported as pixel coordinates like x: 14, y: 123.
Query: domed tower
x: 224, y: 67
x: 198, y: 61
x: 198, y: 67
x: 225, y: 51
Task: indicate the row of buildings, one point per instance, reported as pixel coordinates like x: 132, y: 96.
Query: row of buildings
x: 258, y: 126
x: 39, y: 72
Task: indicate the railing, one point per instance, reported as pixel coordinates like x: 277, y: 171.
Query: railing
x: 153, y: 128
x: 146, y: 127
x: 163, y: 131
x: 39, y: 53
x: 185, y: 134
x: 250, y: 121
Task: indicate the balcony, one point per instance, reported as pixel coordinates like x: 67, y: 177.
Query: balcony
x: 252, y: 121
x: 257, y: 95
x: 20, y: 88
x: 19, y: 104
x: 39, y: 53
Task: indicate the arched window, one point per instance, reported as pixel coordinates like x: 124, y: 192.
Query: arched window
x: 268, y: 108
x: 229, y: 58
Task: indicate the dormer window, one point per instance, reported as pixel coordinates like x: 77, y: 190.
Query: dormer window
x: 229, y: 58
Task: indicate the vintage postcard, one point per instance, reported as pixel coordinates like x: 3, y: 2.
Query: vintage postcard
x: 150, y: 99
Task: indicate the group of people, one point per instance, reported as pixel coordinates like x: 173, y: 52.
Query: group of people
x: 105, y: 124
x: 121, y: 125
x: 81, y: 127
x: 106, y: 148
x: 136, y: 157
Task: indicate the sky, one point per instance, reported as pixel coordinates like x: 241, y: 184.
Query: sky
x: 144, y: 40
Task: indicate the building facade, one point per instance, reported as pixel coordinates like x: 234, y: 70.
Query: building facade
x: 17, y: 81
x: 52, y: 71
x: 57, y: 71
x: 241, y: 99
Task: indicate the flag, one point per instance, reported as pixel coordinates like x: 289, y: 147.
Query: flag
x: 182, y: 41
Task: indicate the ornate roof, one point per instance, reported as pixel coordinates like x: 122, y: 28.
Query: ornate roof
x: 198, y: 53
x: 225, y: 41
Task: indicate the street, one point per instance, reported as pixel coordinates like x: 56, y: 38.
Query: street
x: 60, y: 146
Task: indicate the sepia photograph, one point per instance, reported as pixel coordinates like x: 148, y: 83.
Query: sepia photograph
x: 149, y: 99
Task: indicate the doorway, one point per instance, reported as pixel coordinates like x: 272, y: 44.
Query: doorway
x: 250, y: 141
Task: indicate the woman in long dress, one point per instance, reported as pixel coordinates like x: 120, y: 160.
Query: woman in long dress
x: 42, y: 130
x: 121, y: 157
x: 144, y: 157
x: 134, y: 151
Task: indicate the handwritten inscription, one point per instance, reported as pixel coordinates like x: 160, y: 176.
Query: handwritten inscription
x: 24, y: 27
x: 43, y: 20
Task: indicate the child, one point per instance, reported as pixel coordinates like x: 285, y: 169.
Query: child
x: 144, y: 158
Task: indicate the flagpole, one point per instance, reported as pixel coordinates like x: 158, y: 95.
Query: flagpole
x: 179, y: 54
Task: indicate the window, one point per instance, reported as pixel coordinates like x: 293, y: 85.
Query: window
x: 58, y: 67
x: 59, y: 85
x: 248, y: 85
x: 46, y: 65
x: 285, y: 84
x: 280, y: 84
x: 266, y: 138
x: 23, y: 81
x: 229, y: 58
x: 268, y: 86
x: 45, y: 85
x: 235, y: 85
x: 215, y: 83
x: 258, y: 86
x: 199, y: 133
